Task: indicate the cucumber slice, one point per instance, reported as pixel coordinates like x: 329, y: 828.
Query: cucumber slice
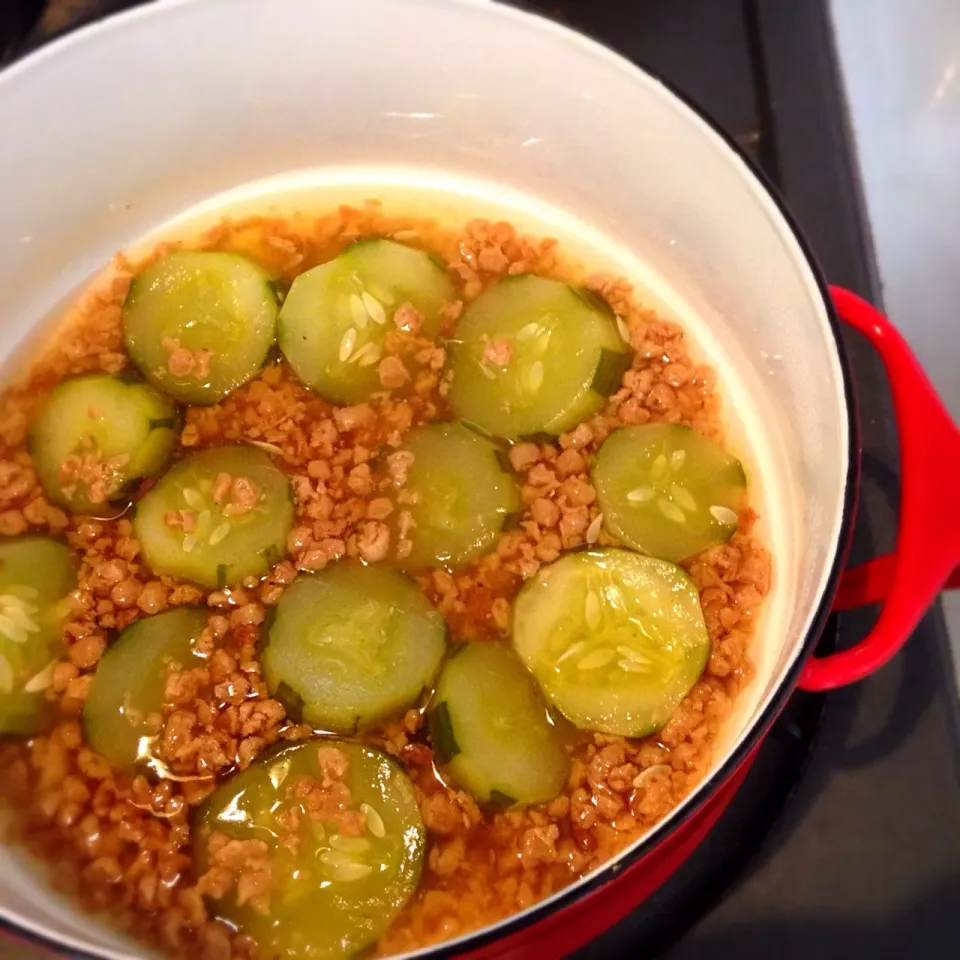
x: 218, y: 309
x: 490, y: 729
x: 331, y: 895
x: 616, y: 639
x: 353, y: 645
x: 462, y: 496
x: 667, y: 490
x: 96, y: 436
x: 216, y: 517
x: 336, y: 316
x: 129, y: 683
x: 534, y: 356
x: 36, y: 574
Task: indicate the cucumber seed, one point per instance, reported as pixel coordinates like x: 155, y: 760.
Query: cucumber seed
x: 591, y: 610
x: 42, y: 680
x: 374, y: 308
x: 596, y: 659
x: 593, y: 531
x: 374, y: 821
x: 358, y: 311
x: 671, y: 511
x: 723, y: 515
x: 347, y: 344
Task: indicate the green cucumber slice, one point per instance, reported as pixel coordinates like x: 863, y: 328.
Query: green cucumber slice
x: 129, y: 683
x: 462, y: 496
x: 331, y: 895
x: 36, y: 575
x: 219, y: 307
x: 355, y: 644
x: 534, y: 356
x: 490, y: 729
x: 226, y: 538
x: 615, y: 639
x: 667, y: 490
x: 96, y: 436
x: 336, y: 316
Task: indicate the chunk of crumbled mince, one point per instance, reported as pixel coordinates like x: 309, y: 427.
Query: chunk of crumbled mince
x: 733, y: 579
x: 291, y: 251
x: 372, y: 543
x: 219, y: 714
x: 241, y: 866
x: 101, y: 478
x: 90, y: 340
x: 187, y: 363
x: 235, y: 495
x: 450, y: 314
x: 392, y: 373
x: 432, y: 356
x: 394, y: 735
x: 309, y: 553
x: 398, y: 466
x: 407, y: 319
x: 17, y: 480
x: 273, y: 408
x: 244, y: 497
x: 269, y: 240
x: 185, y: 520
x: 448, y: 812
x: 279, y: 577
x: 500, y: 614
x: 379, y: 508
x: 141, y: 851
x: 334, y: 765
x: 354, y: 418
x: 491, y: 250
x: 329, y: 800
x: 538, y: 844
x: 498, y: 353
x: 615, y: 290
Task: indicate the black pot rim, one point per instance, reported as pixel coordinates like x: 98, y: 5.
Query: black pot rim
x: 707, y: 789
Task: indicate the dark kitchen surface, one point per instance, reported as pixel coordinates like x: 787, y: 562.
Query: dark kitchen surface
x: 845, y: 840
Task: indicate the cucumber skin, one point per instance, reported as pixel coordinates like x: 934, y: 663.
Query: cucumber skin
x: 435, y: 435
x: 217, y: 580
x: 461, y: 754
x: 171, y: 424
x: 27, y: 714
x: 194, y: 394
x: 199, y: 615
x: 376, y: 915
x: 623, y: 522
x: 310, y: 352
x: 582, y: 402
x: 331, y: 716
x: 661, y: 714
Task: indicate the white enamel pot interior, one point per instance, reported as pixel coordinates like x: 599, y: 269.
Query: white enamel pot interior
x: 467, y: 108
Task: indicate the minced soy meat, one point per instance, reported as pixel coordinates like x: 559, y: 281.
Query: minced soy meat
x: 121, y: 843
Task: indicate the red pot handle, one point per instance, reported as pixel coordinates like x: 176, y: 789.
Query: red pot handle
x: 928, y: 542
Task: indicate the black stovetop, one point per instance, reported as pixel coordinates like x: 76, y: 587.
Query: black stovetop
x: 844, y: 841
